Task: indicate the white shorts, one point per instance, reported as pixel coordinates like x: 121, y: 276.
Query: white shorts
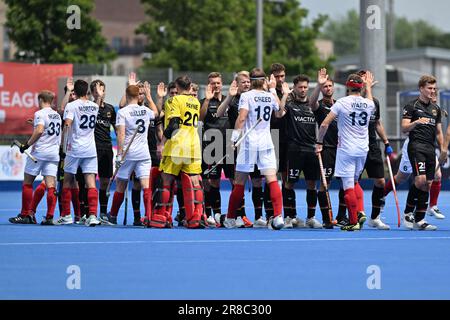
x: 140, y: 167
x: 44, y: 167
x: 88, y: 165
x: 348, y: 166
x: 265, y: 159
x: 405, y: 164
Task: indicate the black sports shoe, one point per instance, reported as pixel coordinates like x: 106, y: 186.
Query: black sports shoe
x: 138, y: 223
x: 47, y: 222
x: 327, y: 225
x: 351, y: 227
x: 342, y: 222
x: 23, y: 219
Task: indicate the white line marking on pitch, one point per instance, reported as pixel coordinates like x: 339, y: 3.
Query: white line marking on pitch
x: 215, y: 241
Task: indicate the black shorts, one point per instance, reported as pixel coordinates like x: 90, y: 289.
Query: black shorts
x: 423, y: 159
x: 228, y: 169
x: 329, y: 161
x: 283, y: 156
x: 374, y: 163
x: 305, y: 161
x: 256, y: 174
x: 105, y: 163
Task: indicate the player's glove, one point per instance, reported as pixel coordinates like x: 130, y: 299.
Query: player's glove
x: 119, y: 162
x: 23, y: 147
x: 235, y: 136
x: 388, y: 149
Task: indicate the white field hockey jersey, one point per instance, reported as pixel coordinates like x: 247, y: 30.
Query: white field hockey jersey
x: 81, y: 141
x: 135, y: 116
x: 259, y: 104
x: 46, y: 148
x: 353, y: 113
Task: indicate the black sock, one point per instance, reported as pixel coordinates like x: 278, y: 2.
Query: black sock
x: 342, y: 206
x: 268, y: 202
x: 422, y: 205
x: 377, y: 201
x: 257, y: 197
x: 241, y: 210
x: 287, y: 204
x: 216, y: 201
x: 82, y: 196
x: 324, y: 205
x: 311, y: 200
x: 411, y: 200
x: 180, y: 200
x: 136, y: 203
x: 208, y: 209
x: 103, y: 199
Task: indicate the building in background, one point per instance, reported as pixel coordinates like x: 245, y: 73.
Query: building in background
x: 119, y: 20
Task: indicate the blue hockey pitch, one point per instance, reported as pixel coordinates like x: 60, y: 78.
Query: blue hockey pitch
x: 135, y: 263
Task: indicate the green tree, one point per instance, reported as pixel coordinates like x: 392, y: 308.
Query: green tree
x: 207, y: 35
x: 344, y: 32
x: 39, y: 29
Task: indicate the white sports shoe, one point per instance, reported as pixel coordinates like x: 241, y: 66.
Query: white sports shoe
x: 288, y: 223
x: 92, y: 221
x: 229, y: 223
x: 82, y: 220
x: 64, y: 220
x: 239, y: 222
x: 377, y: 223
x: 260, y: 223
x: 276, y: 223
x: 434, y: 211
x: 313, y: 223
x: 423, y: 225
x: 408, y: 220
x: 211, y: 222
x: 298, y: 223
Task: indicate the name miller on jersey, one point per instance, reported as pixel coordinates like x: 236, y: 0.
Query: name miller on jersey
x: 139, y: 113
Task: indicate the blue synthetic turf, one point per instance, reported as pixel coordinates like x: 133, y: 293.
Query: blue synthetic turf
x: 134, y: 263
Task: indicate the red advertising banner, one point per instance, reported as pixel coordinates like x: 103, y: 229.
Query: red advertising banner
x: 20, y: 85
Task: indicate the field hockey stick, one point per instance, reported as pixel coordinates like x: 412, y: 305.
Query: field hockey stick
x: 391, y: 176
x: 123, y: 158
x: 325, y: 186
x: 29, y: 155
x: 236, y: 144
x: 126, y: 205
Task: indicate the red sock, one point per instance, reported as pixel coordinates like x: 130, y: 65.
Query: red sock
x: 65, y: 201
x: 359, y: 196
x: 148, y: 202
x: 352, y: 205
x: 434, y: 193
x: 388, y: 187
x: 76, y: 201
x: 51, y: 202
x: 27, y: 197
x: 235, y: 200
x: 37, y: 196
x: 117, y: 202
x: 92, y: 195
x: 276, y: 197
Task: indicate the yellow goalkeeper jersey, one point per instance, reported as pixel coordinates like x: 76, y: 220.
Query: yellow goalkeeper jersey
x: 185, y: 142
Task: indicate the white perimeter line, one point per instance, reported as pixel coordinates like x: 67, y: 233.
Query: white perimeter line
x: 214, y: 241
